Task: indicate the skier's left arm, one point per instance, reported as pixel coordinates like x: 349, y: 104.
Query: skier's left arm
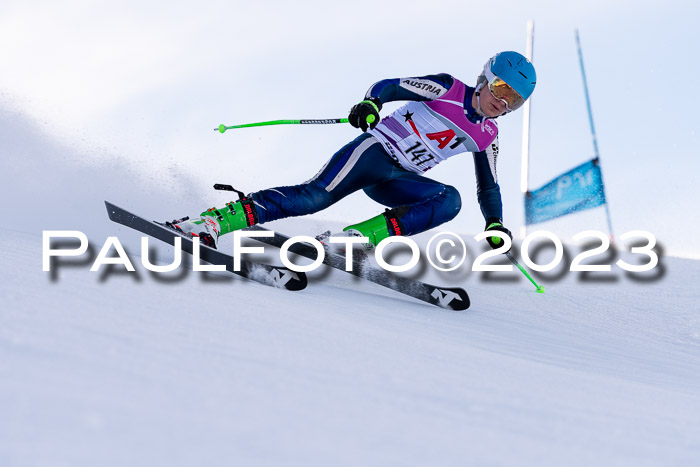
x: 423, y: 88
x: 488, y: 191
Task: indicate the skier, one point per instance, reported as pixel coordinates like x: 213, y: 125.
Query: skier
x: 443, y: 118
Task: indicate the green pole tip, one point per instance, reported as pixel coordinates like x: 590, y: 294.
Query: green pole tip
x: 540, y: 289
x: 371, y: 118
x: 222, y: 128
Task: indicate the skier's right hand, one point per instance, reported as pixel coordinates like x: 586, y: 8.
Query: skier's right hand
x: 365, y: 114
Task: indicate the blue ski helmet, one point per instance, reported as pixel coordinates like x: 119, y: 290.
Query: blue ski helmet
x: 513, y: 68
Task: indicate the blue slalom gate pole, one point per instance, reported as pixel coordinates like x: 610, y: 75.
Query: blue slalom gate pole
x: 595, y: 139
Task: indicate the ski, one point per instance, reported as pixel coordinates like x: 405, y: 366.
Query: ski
x: 453, y: 298
x: 276, y: 276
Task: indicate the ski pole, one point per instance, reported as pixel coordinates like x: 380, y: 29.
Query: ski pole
x: 222, y: 128
x: 540, y: 288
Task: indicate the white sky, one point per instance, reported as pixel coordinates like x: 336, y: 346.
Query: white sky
x: 150, y: 80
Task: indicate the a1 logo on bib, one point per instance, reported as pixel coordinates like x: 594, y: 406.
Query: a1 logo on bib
x: 444, y: 137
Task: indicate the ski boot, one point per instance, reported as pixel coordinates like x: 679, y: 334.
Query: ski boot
x: 375, y: 229
x: 214, y: 222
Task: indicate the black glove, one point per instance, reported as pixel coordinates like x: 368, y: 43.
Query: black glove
x: 365, y: 114
x: 494, y: 223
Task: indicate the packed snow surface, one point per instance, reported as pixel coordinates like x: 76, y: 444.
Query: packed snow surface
x: 112, y: 368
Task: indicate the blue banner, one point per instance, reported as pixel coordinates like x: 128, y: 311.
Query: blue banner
x: 578, y: 189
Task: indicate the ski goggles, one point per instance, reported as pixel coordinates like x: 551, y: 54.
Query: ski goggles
x: 503, y: 92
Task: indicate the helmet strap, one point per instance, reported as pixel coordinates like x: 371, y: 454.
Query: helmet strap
x: 477, y: 91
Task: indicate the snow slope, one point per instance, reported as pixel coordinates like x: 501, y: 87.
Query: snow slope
x: 115, y: 368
